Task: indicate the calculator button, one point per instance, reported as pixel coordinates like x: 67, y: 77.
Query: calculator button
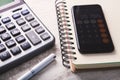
x: 2, y: 48
x: 99, y: 20
x: 87, y: 27
x: 45, y: 36
x: 20, y: 21
x: 25, y: 46
x: 6, y: 20
x: 34, y: 24
x: 102, y: 30
x: 25, y: 12
x: 39, y: 30
x: 10, y: 43
x: 29, y: 17
x: 2, y: 29
x: 33, y: 37
x: 5, y: 36
x: 98, y: 15
x: 25, y: 27
x: 15, y: 32
x: 104, y: 35
x: 16, y: 50
x: 20, y: 39
x: 10, y: 26
x: 4, y: 56
x: 101, y: 25
x: 84, y: 16
x: 105, y: 40
x: 86, y: 21
x: 93, y: 21
x: 16, y: 16
x: 95, y: 16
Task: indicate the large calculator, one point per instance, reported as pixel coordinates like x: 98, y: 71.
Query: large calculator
x: 22, y: 34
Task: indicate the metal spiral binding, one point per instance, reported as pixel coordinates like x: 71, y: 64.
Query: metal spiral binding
x: 65, y: 34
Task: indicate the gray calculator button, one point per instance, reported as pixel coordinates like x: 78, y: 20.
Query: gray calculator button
x: 25, y: 45
x: 6, y: 20
x: 20, y: 21
x: 34, y: 24
x: 93, y: 21
x: 10, y: 25
x: 5, y: 36
x: 25, y: 27
x: 25, y: 12
x: 45, y: 36
x: 86, y: 21
x: 20, y: 39
x: 16, y: 50
x: 33, y: 37
x: 2, y: 47
x: 10, y: 43
x: 4, y: 56
x: 29, y: 17
x: 15, y: 32
x: 16, y: 16
x: 2, y: 29
x: 39, y: 30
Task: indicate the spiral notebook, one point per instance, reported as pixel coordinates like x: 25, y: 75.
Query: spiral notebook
x: 71, y: 57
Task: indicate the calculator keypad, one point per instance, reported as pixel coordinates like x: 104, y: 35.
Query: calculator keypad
x: 20, y: 32
x: 92, y: 31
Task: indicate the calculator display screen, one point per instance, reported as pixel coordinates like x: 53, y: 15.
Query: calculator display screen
x: 4, y: 2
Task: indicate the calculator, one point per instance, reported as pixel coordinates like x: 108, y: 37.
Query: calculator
x: 91, y: 29
x: 22, y: 34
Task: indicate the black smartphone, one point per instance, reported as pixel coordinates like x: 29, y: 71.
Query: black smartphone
x: 91, y: 29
